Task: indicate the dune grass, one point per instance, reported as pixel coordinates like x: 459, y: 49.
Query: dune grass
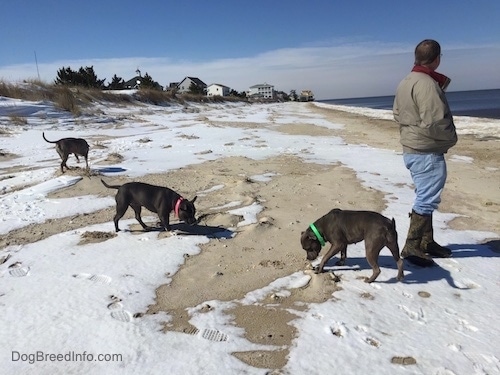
x: 74, y: 99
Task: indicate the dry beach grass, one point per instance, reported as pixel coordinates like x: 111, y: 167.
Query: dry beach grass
x: 298, y: 194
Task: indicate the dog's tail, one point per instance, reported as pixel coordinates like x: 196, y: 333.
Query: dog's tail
x: 392, y: 234
x: 43, y: 135
x: 110, y: 186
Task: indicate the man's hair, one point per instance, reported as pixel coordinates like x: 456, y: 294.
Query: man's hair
x: 426, y: 52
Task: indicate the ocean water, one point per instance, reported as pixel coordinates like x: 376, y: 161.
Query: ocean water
x: 476, y: 103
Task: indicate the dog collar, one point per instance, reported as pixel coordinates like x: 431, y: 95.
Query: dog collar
x: 317, y: 234
x: 177, y: 204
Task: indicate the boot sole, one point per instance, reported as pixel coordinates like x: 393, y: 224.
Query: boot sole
x: 439, y: 255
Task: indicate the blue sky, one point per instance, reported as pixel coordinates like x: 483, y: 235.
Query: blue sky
x: 337, y: 49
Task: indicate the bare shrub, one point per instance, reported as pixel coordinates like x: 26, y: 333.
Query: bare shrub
x: 18, y: 120
x: 114, y: 157
x: 65, y: 99
x: 28, y: 90
x: 72, y: 99
x: 155, y: 97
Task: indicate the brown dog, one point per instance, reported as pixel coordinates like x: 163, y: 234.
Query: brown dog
x: 67, y: 146
x: 342, y: 228
x: 158, y: 199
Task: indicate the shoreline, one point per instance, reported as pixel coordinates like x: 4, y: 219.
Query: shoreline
x: 456, y: 100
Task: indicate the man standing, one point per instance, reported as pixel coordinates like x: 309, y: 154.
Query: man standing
x: 427, y: 132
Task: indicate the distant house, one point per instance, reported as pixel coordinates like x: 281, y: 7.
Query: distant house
x: 172, y: 86
x: 217, y: 89
x: 185, y: 84
x: 135, y: 82
x: 261, y: 91
x: 139, y: 80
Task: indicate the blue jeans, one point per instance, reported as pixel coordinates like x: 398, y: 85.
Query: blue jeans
x: 428, y: 172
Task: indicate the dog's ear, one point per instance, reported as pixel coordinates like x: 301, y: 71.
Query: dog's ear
x: 192, y: 200
x: 307, y: 235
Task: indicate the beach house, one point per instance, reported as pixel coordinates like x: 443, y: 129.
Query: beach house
x: 215, y: 89
x: 261, y: 91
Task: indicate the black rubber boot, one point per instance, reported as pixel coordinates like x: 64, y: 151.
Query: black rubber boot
x: 430, y: 246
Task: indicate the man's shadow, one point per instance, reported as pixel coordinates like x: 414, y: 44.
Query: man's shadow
x: 421, y: 275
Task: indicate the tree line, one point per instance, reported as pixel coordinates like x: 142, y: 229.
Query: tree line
x: 86, y: 77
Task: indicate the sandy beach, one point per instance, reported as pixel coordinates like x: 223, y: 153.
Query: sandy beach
x: 299, y: 193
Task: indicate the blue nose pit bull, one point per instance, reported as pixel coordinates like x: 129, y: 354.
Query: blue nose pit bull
x: 342, y: 228
x: 68, y: 146
x: 158, y: 199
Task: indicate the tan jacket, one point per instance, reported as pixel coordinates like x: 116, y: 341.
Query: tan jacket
x: 424, y: 117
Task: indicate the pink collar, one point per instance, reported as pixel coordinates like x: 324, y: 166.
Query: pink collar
x: 177, y: 204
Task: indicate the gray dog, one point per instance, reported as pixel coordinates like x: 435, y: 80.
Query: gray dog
x: 67, y: 146
x: 158, y: 199
x: 342, y: 228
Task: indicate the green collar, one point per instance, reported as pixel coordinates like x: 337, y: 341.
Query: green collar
x: 318, y: 235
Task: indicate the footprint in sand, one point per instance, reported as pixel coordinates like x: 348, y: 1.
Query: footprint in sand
x: 452, y: 264
x: 214, y: 335
x: 122, y: 316
x: 96, y: 278
x: 338, y: 329
x: 373, y: 342
x: 361, y: 328
x: 117, y: 311
x: 117, y: 305
x: 450, y: 311
x: 444, y: 371
x: 486, y: 363
x: 455, y: 347
x: 465, y: 324
x: 413, y: 315
x: 369, y: 340
x: 208, y: 334
x: 17, y: 270
x: 405, y: 293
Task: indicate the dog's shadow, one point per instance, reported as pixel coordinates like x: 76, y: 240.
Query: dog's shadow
x: 357, y: 264
x: 423, y: 275
x: 212, y: 232
x: 183, y: 229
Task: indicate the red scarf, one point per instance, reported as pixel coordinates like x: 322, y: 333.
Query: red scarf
x: 441, y: 79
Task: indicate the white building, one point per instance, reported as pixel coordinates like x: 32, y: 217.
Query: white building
x: 262, y: 90
x: 216, y: 89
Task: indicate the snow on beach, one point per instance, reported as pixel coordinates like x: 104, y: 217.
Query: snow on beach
x: 59, y: 297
